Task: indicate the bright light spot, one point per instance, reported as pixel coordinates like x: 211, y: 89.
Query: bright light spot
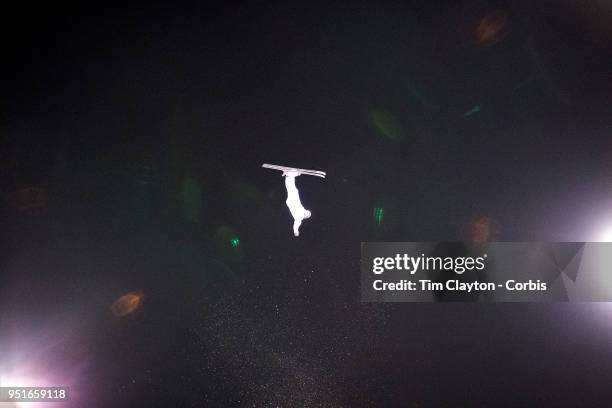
x: 21, y: 381
x: 31, y: 368
x: 606, y: 235
x: 235, y: 242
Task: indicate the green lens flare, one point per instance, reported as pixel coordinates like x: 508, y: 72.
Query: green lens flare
x: 472, y: 111
x: 191, y: 200
x: 378, y: 215
x: 417, y: 93
x: 387, y: 124
x: 228, y: 244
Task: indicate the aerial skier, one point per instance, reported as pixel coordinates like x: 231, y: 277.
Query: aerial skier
x: 296, y: 208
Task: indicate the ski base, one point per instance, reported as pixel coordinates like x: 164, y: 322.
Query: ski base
x: 301, y: 171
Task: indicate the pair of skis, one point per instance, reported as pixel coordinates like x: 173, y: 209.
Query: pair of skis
x: 300, y: 171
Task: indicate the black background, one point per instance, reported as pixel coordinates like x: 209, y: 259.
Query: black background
x: 99, y: 97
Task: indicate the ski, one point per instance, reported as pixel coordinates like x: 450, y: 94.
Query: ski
x: 307, y: 172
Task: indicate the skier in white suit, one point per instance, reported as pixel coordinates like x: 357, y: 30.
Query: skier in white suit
x: 298, y: 211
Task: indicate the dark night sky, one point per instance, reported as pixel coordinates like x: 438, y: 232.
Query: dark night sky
x: 110, y: 109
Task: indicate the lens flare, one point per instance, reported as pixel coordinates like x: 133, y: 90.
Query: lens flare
x: 387, y: 124
x: 378, y: 215
x: 48, y: 354
x: 606, y: 235
x: 191, y: 200
x: 127, y: 304
x: 472, y: 111
x: 491, y: 29
x: 483, y: 229
x: 31, y: 200
x: 484, y: 28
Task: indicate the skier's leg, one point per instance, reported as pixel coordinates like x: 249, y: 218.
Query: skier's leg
x: 296, y: 227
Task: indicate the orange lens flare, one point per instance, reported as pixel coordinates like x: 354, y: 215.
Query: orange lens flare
x: 483, y: 229
x: 491, y: 28
x: 127, y: 304
x: 28, y: 198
